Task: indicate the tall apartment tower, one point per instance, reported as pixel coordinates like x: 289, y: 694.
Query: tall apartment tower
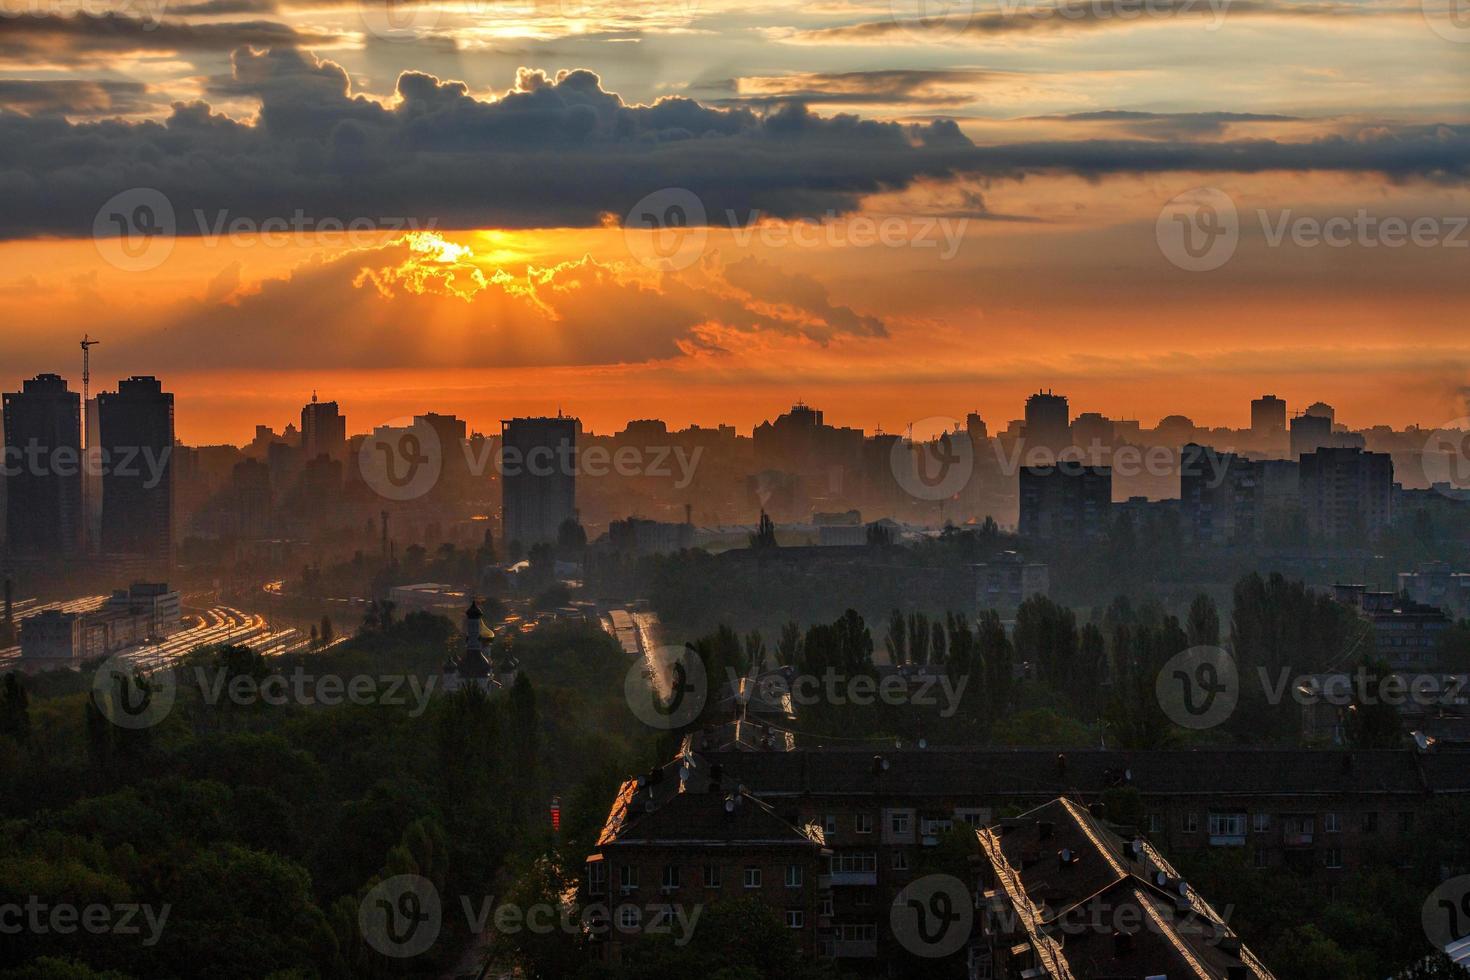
x: 323, y: 430
x: 136, y: 433
x: 1268, y: 415
x: 538, y: 477
x: 1048, y: 422
x: 1347, y: 494
x: 43, y: 444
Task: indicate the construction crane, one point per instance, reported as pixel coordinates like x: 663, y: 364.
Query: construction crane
x: 87, y: 344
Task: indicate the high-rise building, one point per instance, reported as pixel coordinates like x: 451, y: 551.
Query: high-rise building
x: 538, y: 477
x: 1268, y: 415
x: 1309, y: 433
x: 43, y: 466
x: 136, y: 433
x: 1347, y: 494
x: 1221, y: 500
x: 323, y: 430
x: 1048, y: 422
x: 1066, y: 501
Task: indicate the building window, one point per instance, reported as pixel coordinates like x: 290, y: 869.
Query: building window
x: 628, y: 878
x: 1261, y: 822
x: 848, y: 862
x: 1155, y: 823
x: 826, y: 905
x: 899, y: 823
x: 671, y: 877
x: 856, y: 932
x: 863, y: 823
x: 900, y: 861
x: 1334, y: 857
x: 1262, y: 858
x: 712, y: 876
x: 629, y: 916
x: 1406, y: 822
x: 829, y: 825
x: 663, y: 916
x: 1331, y: 823
x: 938, y: 825
x: 1370, y: 822
x: 752, y: 877
x: 597, y: 878
x: 793, y: 876
x: 795, y: 919
x: 1191, y: 822
x: 1227, y: 825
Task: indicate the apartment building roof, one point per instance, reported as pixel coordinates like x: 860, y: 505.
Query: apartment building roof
x: 1029, y: 773
x: 1091, y: 904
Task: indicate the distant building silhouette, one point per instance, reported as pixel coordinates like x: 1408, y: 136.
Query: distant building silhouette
x: 43, y: 439
x: 1048, y: 422
x: 1268, y: 415
x: 538, y: 481
x: 137, y: 437
x: 1310, y: 433
x: 1067, y: 501
x: 323, y: 429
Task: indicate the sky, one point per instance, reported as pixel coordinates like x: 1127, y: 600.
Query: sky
x: 895, y: 210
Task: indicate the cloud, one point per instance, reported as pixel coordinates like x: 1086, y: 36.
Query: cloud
x: 349, y: 311
x: 75, y: 97
x: 1169, y: 125
x: 86, y: 38
x: 1069, y: 16
x: 561, y: 151
x: 952, y: 87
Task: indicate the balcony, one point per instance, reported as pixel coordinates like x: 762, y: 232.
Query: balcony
x: 1227, y: 840
x: 1298, y: 838
x: 840, y: 878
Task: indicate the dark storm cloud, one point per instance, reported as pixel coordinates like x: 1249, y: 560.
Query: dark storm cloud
x: 84, y: 38
x: 75, y: 97
x: 564, y: 152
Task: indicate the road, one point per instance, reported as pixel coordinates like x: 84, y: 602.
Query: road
x: 204, y: 627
